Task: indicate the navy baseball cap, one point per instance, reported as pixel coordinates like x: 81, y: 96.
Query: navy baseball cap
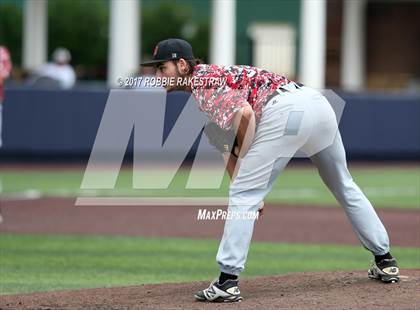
x: 170, y: 49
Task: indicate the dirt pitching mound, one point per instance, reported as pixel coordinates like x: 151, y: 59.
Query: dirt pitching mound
x: 323, y: 290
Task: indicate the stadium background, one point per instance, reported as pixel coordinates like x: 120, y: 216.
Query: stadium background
x: 49, y: 244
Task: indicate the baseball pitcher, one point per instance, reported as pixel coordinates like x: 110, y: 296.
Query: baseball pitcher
x: 259, y: 121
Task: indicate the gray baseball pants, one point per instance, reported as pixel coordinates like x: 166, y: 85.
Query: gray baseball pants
x: 300, y: 119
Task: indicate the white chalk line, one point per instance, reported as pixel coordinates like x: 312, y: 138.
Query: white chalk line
x: 280, y: 193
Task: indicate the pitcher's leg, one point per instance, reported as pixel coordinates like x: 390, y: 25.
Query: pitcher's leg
x: 246, y: 195
x: 234, y: 246
x: 332, y: 167
x: 283, y: 129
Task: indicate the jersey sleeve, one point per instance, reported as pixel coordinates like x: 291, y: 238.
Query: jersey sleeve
x: 220, y: 103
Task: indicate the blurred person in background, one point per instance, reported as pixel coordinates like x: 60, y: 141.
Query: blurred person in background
x: 5, y: 69
x: 56, y: 74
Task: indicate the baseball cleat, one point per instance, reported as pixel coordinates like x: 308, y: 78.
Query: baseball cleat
x: 386, y: 270
x: 226, y: 292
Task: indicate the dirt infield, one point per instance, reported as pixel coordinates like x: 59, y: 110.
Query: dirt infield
x: 295, y: 224
x: 326, y: 290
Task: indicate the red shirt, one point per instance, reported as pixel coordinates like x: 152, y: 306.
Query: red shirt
x: 229, y: 88
x: 5, y: 68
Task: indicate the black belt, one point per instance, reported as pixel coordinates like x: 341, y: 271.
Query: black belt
x: 280, y: 89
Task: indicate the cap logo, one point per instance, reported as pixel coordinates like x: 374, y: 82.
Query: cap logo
x: 155, y: 50
x: 174, y: 55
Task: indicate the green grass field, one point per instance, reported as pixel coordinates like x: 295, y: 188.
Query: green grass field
x: 394, y: 187
x: 42, y: 263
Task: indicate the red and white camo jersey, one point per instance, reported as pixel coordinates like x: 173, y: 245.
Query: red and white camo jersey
x: 231, y: 88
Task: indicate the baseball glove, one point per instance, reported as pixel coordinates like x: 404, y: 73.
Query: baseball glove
x: 223, y: 140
